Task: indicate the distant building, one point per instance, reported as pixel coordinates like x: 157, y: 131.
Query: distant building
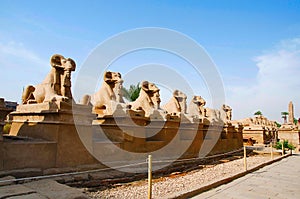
x: 12, y: 105
x: 5, y: 108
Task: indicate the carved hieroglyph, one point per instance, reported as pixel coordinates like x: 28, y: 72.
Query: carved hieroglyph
x: 56, y: 86
x: 148, y: 100
x: 291, y: 113
x: 109, y: 93
x: 177, y: 104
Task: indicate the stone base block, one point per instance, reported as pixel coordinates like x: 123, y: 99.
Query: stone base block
x: 58, y: 122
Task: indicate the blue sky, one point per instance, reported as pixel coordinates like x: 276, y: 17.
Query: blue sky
x: 255, y: 44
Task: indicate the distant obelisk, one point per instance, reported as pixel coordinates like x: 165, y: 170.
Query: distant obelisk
x: 291, y: 113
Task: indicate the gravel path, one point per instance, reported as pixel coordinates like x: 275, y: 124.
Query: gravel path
x: 165, y: 186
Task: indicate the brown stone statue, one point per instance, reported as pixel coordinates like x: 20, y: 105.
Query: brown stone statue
x: 56, y: 86
x: 177, y: 104
x: 213, y: 114
x: 196, y: 107
x: 109, y: 93
x: 228, y: 112
x: 148, y: 100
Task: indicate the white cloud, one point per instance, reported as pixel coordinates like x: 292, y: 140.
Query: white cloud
x: 19, y: 67
x: 277, y: 82
x: 13, y: 51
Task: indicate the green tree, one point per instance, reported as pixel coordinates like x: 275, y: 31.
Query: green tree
x: 6, y: 128
x: 286, y: 144
x: 295, y: 121
x: 277, y: 124
x: 132, y: 93
x: 258, y: 113
x: 284, y: 116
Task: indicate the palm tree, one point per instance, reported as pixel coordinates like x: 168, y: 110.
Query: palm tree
x: 132, y: 93
x: 295, y: 121
x: 277, y: 124
x: 258, y: 113
x: 284, y: 116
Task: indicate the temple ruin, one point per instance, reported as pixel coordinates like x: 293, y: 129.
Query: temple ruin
x: 259, y: 130
x: 49, y: 130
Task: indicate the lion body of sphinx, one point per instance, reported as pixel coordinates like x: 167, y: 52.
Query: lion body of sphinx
x: 177, y: 104
x: 107, y: 98
x: 108, y: 95
x: 148, y: 99
x: 57, y: 84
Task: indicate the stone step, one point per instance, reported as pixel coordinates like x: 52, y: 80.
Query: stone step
x: 41, y: 189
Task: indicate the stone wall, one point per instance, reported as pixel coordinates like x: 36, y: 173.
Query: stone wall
x: 53, y: 123
x: 188, y: 138
x: 291, y: 133
x: 36, y: 141
x: 27, y: 153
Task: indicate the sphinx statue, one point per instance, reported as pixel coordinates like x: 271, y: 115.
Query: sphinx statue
x: 108, y: 95
x: 56, y: 86
x: 213, y: 115
x: 177, y: 104
x: 228, y: 112
x: 148, y: 100
x: 196, y: 107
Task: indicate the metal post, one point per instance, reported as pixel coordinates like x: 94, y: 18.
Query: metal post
x: 149, y: 176
x: 245, y: 158
x: 271, y: 145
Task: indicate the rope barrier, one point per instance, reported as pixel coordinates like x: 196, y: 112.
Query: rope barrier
x: 199, y: 158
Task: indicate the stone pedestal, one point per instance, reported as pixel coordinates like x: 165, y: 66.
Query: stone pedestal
x: 57, y: 122
x: 261, y: 134
x: 291, y: 133
x: 255, y: 132
x: 172, y: 137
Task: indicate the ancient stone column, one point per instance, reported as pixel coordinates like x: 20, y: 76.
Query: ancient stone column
x: 291, y: 113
